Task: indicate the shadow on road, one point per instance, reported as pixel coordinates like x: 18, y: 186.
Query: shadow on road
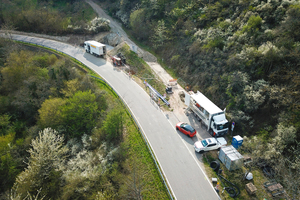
x: 200, y: 128
x: 98, y: 61
x: 187, y: 138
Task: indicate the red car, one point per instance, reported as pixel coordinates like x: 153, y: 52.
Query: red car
x: 186, y: 129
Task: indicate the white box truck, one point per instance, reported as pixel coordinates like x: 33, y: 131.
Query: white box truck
x: 95, y: 48
x: 207, y: 112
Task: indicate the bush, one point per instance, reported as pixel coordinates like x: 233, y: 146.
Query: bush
x: 253, y: 25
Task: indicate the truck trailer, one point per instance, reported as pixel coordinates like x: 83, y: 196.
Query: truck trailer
x: 208, y: 113
x: 95, y: 48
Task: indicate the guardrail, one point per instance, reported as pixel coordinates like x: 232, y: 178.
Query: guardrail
x: 143, y: 134
x: 124, y: 103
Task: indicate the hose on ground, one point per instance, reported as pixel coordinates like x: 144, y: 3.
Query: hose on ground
x: 233, y: 190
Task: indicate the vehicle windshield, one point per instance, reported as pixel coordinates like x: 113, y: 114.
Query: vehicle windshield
x: 222, y: 126
x: 204, y: 143
x: 189, y: 128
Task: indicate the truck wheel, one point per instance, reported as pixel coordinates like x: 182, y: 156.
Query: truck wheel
x: 198, y: 118
x: 195, y: 114
x: 201, y: 152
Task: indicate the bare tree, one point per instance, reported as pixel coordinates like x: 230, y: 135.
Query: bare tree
x: 134, y: 184
x: 8, y: 29
x: 289, y: 173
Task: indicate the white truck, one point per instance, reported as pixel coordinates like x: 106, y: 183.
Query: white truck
x: 207, y: 112
x: 95, y: 48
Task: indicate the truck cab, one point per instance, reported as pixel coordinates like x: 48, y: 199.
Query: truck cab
x: 219, y: 125
x: 208, y: 113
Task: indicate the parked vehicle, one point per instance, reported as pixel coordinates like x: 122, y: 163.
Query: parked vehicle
x: 119, y: 59
x: 95, y: 48
x: 207, y: 112
x: 186, y: 129
x: 169, y: 90
x: 116, y: 61
x: 210, y: 144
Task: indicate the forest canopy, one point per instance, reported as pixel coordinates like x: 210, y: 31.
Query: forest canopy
x: 243, y: 55
x: 51, y: 17
x: 64, y: 135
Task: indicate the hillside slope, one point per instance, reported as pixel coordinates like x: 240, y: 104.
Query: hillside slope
x: 243, y: 55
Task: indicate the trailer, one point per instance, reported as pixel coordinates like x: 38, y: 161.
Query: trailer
x: 95, y: 48
x: 231, y: 158
x: 208, y: 113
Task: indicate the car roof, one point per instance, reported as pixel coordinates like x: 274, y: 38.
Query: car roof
x: 211, y: 140
x: 189, y: 127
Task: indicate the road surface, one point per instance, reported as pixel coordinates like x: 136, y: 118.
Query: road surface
x: 173, y: 151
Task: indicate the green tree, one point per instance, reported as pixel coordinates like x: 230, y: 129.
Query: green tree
x: 292, y: 23
x: 50, y: 113
x: 253, y: 25
x: 4, y: 123
x: 75, y: 116
x: 113, y: 126
x: 139, y: 24
x: 8, y: 165
x: 80, y: 113
x: 160, y: 35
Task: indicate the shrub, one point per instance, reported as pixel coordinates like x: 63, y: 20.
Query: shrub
x: 253, y: 25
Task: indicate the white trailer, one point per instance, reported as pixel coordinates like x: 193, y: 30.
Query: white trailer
x: 95, y: 48
x: 207, y: 112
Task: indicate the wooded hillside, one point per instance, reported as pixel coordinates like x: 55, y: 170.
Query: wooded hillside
x: 243, y: 55
x: 51, y: 17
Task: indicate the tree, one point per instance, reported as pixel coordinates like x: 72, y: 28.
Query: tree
x: 8, y: 164
x: 74, y: 116
x: 80, y: 113
x: 45, y: 164
x: 50, y: 113
x: 113, y: 126
x: 140, y: 25
x: 7, y: 28
x: 134, y: 183
x: 291, y: 25
x: 253, y: 25
x: 160, y: 35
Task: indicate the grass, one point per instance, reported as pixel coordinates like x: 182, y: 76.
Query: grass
x: 141, y: 69
x: 154, y: 187
x: 79, y: 10
x: 236, y: 177
x: 149, y: 49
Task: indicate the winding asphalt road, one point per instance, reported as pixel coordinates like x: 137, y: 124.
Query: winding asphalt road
x: 176, y: 158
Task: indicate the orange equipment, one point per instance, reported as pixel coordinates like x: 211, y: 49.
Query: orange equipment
x: 116, y: 61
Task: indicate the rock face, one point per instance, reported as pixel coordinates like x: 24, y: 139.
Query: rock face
x: 148, y: 57
x: 112, y: 39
